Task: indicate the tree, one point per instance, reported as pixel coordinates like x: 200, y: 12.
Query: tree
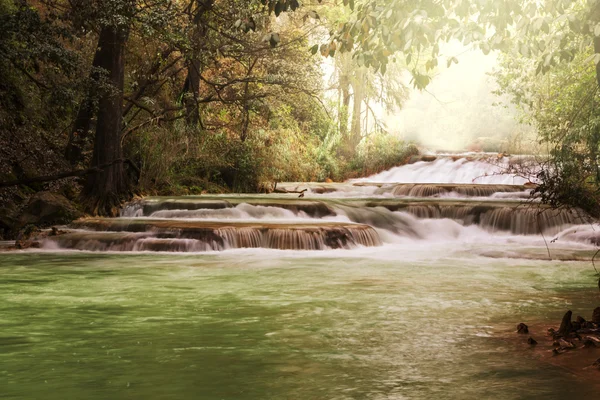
x: 379, y: 31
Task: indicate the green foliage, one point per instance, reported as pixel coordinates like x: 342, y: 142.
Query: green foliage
x: 381, y: 31
x: 563, y: 106
x: 379, y: 152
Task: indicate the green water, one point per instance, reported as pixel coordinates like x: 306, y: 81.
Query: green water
x: 256, y: 324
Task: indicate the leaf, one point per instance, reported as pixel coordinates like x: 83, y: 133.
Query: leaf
x: 313, y: 14
x: 314, y: 49
x: 485, y: 48
x: 351, y: 3
x: 294, y: 5
x: 278, y: 8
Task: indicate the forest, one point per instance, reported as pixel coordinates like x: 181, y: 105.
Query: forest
x: 125, y: 97
x: 278, y: 199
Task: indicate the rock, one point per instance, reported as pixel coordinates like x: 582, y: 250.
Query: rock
x: 7, y: 222
x: 522, y: 328
x: 27, y: 244
x: 565, y: 344
x: 45, y: 209
x: 54, y: 231
x: 27, y: 233
x: 587, y: 343
x: 575, y: 326
x: 596, y: 363
x: 581, y: 320
x: 593, y: 340
x: 596, y: 315
x: 551, y: 332
x: 531, y: 341
x: 566, y: 326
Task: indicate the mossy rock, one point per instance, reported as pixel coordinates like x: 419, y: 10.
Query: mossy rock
x: 46, y: 209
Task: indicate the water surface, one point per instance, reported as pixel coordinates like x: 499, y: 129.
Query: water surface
x: 393, y: 322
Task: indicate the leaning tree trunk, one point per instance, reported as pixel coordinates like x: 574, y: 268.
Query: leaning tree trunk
x: 105, y: 190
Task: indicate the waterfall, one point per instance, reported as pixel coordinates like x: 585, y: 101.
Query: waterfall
x: 440, y: 199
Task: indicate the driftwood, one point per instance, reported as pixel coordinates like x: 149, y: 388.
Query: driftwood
x: 68, y: 174
x: 288, y: 191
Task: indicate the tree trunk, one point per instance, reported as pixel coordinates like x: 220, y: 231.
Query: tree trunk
x: 191, y: 89
x: 358, y: 96
x: 597, y: 51
x: 355, y: 129
x: 105, y: 190
x: 82, y: 125
x: 345, y: 87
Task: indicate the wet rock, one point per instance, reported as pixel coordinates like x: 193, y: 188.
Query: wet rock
x: 592, y: 339
x: 575, y: 326
x: 45, y: 209
x: 596, y: 315
x: 54, y: 231
x: 27, y: 244
x: 566, y: 326
x: 531, y: 341
x: 27, y: 233
x: 551, y: 332
x: 565, y: 344
x: 587, y: 343
x: 581, y: 320
x: 522, y: 328
x: 596, y: 363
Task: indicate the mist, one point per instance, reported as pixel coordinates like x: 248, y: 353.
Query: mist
x: 457, y: 111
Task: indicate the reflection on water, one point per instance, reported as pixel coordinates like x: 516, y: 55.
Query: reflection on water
x: 373, y: 323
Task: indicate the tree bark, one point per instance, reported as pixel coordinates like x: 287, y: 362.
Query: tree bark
x: 82, y: 125
x: 345, y: 87
x: 358, y: 97
x: 191, y: 89
x: 105, y: 190
x: 597, y: 51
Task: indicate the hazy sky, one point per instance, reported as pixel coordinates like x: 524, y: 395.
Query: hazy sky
x: 457, y: 108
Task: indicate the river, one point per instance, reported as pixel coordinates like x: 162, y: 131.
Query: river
x: 356, y: 291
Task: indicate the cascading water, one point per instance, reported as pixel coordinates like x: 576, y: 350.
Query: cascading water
x: 407, y: 284
x: 365, y: 214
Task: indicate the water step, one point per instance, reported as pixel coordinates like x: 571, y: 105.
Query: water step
x: 131, y: 234
x: 150, y: 205
x: 522, y: 218
x: 437, y: 189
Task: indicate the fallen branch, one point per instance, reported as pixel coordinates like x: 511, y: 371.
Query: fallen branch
x: 288, y: 191
x: 68, y: 174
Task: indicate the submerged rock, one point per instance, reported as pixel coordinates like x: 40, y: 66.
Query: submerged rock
x: 531, y: 341
x: 522, y: 328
